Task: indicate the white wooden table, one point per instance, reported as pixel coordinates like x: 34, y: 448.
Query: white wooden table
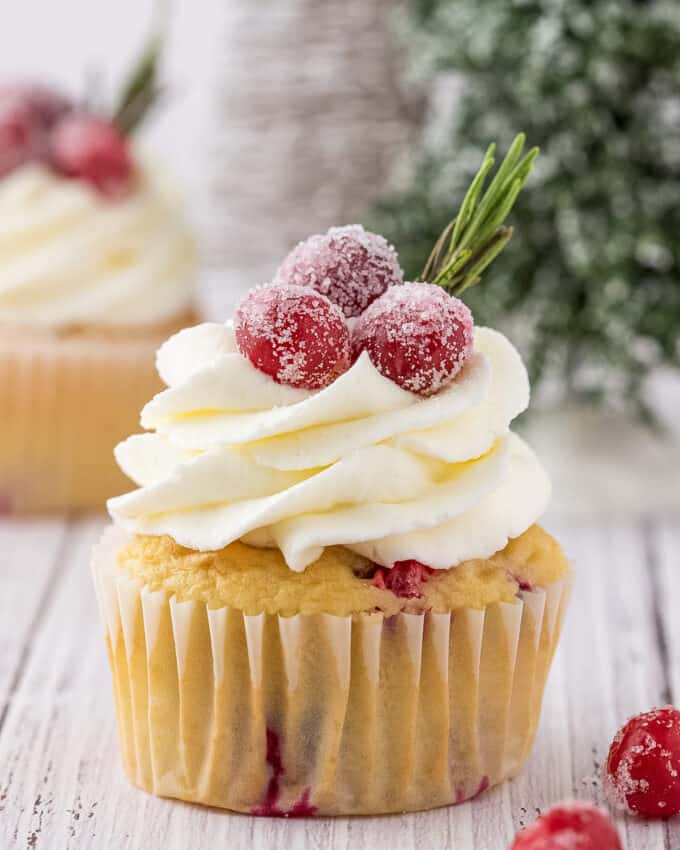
x: 61, y: 783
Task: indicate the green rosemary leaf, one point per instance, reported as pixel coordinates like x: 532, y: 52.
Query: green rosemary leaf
x: 141, y: 89
x: 475, y: 237
x: 508, y: 164
x: 473, y: 276
x: 454, y: 266
x: 497, y: 186
x: 470, y: 199
x: 500, y: 212
x: 436, y: 256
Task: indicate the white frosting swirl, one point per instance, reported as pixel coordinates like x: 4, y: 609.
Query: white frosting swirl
x: 362, y: 463
x: 69, y: 256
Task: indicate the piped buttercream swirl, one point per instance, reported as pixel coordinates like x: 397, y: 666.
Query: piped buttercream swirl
x: 70, y: 257
x: 232, y: 455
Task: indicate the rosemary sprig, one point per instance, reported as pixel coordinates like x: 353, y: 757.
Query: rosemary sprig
x: 141, y: 89
x: 477, y: 235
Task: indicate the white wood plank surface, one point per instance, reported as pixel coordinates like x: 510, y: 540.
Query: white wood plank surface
x: 62, y: 787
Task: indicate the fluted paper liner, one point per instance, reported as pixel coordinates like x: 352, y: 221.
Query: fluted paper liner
x: 66, y: 403
x: 317, y: 714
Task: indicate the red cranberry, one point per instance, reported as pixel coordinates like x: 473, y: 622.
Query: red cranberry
x: 405, y: 579
x: 349, y: 265
x: 92, y: 149
x: 293, y: 334
x: 26, y: 115
x: 417, y: 335
x: 46, y: 105
x: 642, y: 773
x: 572, y: 826
x: 20, y: 139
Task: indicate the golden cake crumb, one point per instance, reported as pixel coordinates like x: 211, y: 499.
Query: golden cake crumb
x: 257, y: 580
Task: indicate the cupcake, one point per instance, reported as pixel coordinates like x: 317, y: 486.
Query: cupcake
x: 96, y: 266
x: 329, y: 594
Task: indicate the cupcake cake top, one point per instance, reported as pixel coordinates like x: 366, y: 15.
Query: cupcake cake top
x: 90, y: 233
x: 331, y: 412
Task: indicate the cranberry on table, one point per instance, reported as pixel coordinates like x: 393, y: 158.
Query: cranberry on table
x: 93, y: 150
x: 570, y: 826
x: 642, y: 773
x: 349, y: 265
x: 417, y: 335
x: 293, y: 334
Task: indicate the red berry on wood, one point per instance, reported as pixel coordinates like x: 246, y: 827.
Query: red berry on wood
x: 642, y: 773
x: 570, y: 826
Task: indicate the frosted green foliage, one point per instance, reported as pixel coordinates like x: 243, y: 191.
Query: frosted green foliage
x: 590, y: 283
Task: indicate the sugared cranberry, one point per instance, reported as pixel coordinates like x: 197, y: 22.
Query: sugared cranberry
x: 293, y: 334
x: 21, y: 139
x: 417, y: 335
x: 349, y: 265
x: 27, y: 113
x: 404, y: 579
x: 46, y: 104
x: 92, y: 149
x: 642, y: 773
x: 571, y: 826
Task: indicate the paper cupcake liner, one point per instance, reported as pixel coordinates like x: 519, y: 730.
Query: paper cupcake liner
x: 66, y: 403
x: 317, y: 714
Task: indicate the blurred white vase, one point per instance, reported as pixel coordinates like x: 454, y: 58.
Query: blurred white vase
x: 309, y: 121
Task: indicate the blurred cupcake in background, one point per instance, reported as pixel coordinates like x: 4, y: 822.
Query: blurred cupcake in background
x: 96, y: 268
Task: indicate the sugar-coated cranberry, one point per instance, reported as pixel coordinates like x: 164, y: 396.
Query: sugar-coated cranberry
x: 46, y: 104
x: 92, y: 149
x: 349, y: 265
x: 293, y: 334
x: 21, y: 140
x: 26, y: 115
x: 570, y: 826
x: 404, y: 579
x: 417, y: 335
x: 642, y: 773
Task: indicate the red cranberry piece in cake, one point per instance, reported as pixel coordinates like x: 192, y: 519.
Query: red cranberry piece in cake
x: 404, y: 579
x: 92, y: 149
x: 293, y: 334
x: 349, y: 265
x: 571, y: 826
x: 642, y: 773
x: 417, y: 335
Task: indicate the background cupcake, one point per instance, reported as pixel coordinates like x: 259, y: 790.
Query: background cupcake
x: 96, y: 267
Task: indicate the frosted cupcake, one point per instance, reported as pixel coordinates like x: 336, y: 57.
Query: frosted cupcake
x: 329, y: 594
x: 96, y: 267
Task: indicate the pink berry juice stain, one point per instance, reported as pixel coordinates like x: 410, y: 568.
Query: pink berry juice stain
x: 270, y: 807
